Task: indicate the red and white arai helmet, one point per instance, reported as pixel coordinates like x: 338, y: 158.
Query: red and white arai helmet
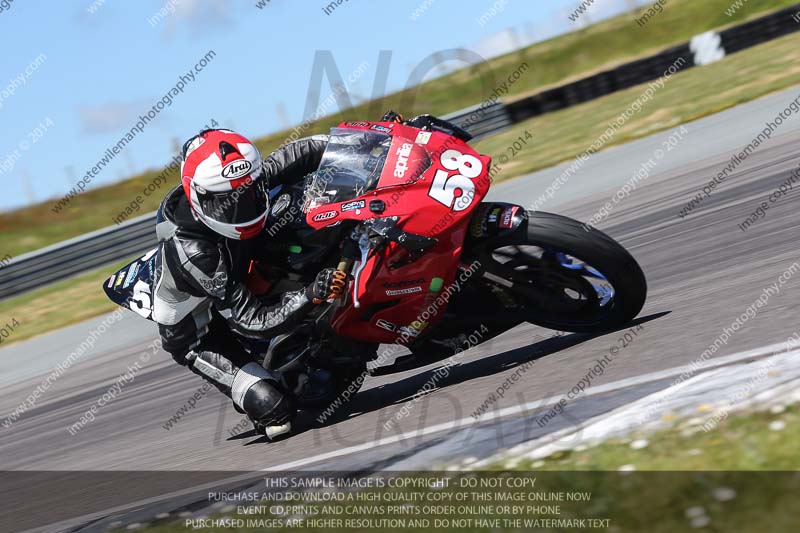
x: 224, y: 179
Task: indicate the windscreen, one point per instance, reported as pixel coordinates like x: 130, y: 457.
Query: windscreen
x: 352, y: 165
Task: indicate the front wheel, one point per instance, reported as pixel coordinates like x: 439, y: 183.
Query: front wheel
x: 566, y: 276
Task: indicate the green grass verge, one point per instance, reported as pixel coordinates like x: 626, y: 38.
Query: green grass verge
x: 58, y: 305
x: 686, y: 96
x: 740, y: 442
x: 694, y: 480
x: 569, y: 56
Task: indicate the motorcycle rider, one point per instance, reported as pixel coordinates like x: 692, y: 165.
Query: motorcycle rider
x: 208, y: 232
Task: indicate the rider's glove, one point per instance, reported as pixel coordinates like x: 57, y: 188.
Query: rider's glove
x: 329, y: 284
x: 391, y: 116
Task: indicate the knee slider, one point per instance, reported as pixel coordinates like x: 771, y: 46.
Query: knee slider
x: 267, y: 404
x: 258, y: 394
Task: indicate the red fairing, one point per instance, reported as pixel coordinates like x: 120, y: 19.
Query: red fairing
x: 432, y: 182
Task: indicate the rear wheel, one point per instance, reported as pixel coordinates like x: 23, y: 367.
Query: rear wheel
x: 566, y: 276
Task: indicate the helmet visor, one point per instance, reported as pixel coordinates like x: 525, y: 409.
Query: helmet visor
x: 242, y: 204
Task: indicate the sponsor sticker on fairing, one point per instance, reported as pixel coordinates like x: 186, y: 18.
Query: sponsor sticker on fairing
x: 327, y: 215
x: 400, y: 292
x: 382, y: 129
x: 507, y: 219
x: 357, y: 204
x: 120, y: 278
x: 401, y: 165
x: 388, y: 326
x: 423, y: 137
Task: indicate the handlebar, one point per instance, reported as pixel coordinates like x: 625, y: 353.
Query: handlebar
x: 435, y: 123
x: 429, y: 122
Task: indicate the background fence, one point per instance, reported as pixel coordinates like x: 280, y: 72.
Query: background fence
x: 136, y: 236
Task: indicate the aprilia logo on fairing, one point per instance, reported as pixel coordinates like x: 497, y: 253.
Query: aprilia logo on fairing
x: 237, y: 169
x: 402, y: 160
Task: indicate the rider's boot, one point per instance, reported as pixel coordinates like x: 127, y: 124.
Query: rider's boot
x: 272, y: 432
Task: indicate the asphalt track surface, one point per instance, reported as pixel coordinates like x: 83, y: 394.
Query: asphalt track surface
x: 703, y: 273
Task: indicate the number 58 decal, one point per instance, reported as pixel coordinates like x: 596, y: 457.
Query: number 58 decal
x: 444, y: 185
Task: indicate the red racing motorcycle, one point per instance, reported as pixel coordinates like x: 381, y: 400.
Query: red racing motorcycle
x: 399, y: 207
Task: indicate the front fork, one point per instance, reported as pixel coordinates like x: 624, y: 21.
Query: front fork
x: 493, y: 225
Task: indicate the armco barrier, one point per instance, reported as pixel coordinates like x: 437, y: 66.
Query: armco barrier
x: 760, y: 30
x: 77, y: 255
x: 601, y: 84
x: 137, y: 236
x: 481, y: 120
x: 732, y: 40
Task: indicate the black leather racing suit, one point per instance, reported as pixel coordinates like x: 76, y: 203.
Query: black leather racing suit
x: 202, y: 304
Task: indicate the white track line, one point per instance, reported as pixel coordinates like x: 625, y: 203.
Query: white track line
x: 517, y: 409
x: 457, y: 424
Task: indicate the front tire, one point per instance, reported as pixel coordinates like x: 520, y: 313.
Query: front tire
x: 566, y: 276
